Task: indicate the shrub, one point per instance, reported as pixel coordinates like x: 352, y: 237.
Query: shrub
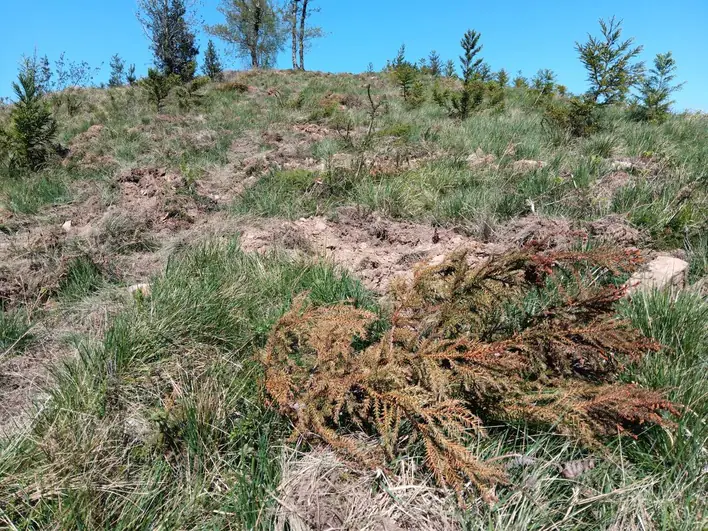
x: 32, y: 126
x: 529, y: 336
x: 577, y: 117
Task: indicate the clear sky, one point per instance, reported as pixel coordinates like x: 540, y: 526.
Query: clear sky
x: 516, y: 34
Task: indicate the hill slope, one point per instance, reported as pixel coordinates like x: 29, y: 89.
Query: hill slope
x: 220, y: 210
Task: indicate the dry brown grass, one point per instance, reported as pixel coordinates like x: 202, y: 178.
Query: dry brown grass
x: 319, y: 492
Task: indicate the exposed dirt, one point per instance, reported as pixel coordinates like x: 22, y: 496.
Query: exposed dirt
x: 375, y: 249
x: 82, y: 150
x: 158, y: 197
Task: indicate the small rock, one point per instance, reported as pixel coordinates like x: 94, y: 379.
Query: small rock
x: 342, y: 161
x: 67, y: 226
x: 573, y: 469
x: 478, y: 158
x: 319, y: 226
x: 662, y: 272
x: 622, y: 165
x: 523, y: 166
x: 143, y: 289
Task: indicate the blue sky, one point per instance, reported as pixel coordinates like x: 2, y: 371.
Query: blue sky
x: 517, y: 35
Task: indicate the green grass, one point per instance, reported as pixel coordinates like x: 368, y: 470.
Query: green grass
x: 15, y: 333
x: 81, y: 278
x: 161, y: 422
x: 28, y: 194
x: 168, y: 407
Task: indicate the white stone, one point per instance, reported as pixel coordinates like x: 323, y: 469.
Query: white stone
x: 662, y: 272
x: 622, y: 165
x: 67, y: 226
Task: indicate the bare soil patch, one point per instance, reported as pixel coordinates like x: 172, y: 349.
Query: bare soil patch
x: 376, y: 249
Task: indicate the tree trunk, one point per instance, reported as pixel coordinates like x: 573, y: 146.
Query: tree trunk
x: 294, y: 32
x: 257, y: 17
x: 303, y: 18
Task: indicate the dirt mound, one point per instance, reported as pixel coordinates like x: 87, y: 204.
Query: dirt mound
x: 616, y: 229
x: 376, y: 249
x: 553, y: 232
x: 83, y: 150
x: 559, y: 233
x: 604, y: 190
x: 157, y: 196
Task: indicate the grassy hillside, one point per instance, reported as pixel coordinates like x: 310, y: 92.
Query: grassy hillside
x: 146, y: 408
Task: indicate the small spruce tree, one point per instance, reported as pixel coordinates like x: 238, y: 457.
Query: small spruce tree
x: 611, y: 63
x: 158, y: 86
x: 544, y: 82
x: 212, y: 64
x: 130, y: 77
x: 434, y: 64
x: 520, y: 81
x: 117, y: 72
x: 44, y: 75
x: 407, y: 76
x: 654, y: 101
x: 502, y: 78
x: 32, y: 126
x: 460, y: 104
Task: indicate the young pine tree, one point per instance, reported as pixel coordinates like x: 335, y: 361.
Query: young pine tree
x: 117, y: 72
x: 44, y: 74
x: 460, y: 104
x: 158, y: 85
x: 130, y: 77
x: 502, y: 78
x: 407, y: 76
x: 450, y: 69
x: 520, y: 81
x: 473, y: 89
x: 212, y: 64
x: 611, y: 63
x: 32, y: 126
x: 655, y: 90
x: 435, y: 64
x: 544, y: 82
x: 167, y: 23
